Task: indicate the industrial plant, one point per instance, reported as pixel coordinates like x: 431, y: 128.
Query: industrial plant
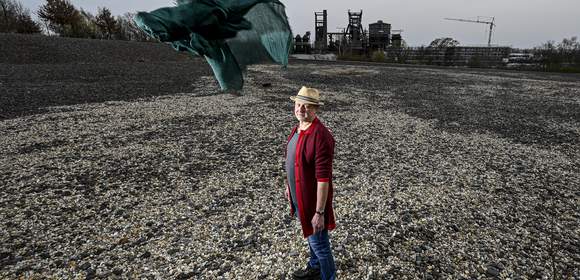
x: 380, y: 40
x: 353, y: 39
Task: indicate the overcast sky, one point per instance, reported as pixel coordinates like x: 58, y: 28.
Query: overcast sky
x: 520, y: 23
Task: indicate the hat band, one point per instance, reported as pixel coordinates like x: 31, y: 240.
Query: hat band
x: 308, y: 99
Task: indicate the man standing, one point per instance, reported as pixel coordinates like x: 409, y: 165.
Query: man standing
x: 309, y: 154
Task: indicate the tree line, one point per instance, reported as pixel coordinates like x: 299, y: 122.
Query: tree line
x: 62, y: 18
x: 551, y: 56
x: 560, y: 57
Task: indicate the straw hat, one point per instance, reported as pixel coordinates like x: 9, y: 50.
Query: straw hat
x: 308, y: 96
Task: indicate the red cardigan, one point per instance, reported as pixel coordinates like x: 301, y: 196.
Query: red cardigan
x: 314, y: 154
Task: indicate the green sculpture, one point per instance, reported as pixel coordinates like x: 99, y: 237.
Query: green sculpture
x: 230, y: 34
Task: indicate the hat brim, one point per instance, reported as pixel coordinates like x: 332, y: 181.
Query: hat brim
x: 293, y: 98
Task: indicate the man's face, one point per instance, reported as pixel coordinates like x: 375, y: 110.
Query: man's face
x: 304, y: 112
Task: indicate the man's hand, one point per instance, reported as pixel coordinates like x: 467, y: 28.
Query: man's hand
x: 287, y: 192
x: 318, y: 223
x: 321, y: 195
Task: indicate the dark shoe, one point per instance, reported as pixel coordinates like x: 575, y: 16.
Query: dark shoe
x: 307, y: 273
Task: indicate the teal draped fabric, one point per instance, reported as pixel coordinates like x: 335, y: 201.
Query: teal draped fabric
x: 230, y: 34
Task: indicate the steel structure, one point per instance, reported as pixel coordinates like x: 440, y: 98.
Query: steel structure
x: 302, y: 43
x: 355, y: 33
x: 491, y: 25
x: 337, y: 40
x: 353, y: 39
x: 321, y: 30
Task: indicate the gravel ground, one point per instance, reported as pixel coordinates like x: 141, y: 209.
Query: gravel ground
x: 125, y: 164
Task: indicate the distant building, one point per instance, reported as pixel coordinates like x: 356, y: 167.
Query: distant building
x: 379, y: 35
x: 453, y: 56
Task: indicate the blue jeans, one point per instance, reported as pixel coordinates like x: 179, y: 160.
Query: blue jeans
x: 321, y: 255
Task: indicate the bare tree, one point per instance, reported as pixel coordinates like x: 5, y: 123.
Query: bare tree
x: 106, y: 22
x: 7, y: 16
x: 563, y: 56
x: 128, y: 30
x: 569, y: 45
x: 14, y: 18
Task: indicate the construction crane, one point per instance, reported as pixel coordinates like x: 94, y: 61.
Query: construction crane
x: 491, y: 25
